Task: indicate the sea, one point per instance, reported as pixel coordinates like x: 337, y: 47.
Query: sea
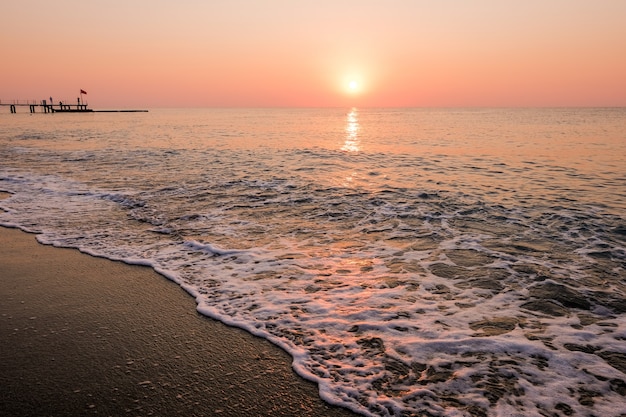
x: 413, y: 262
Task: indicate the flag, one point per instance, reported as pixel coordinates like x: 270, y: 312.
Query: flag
x: 83, y: 92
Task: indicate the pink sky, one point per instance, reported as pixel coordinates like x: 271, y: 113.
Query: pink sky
x: 165, y: 53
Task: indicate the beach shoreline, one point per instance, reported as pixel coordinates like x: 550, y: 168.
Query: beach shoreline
x: 84, y: 335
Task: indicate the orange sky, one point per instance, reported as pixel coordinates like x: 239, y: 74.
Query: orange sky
x: 166, y: 53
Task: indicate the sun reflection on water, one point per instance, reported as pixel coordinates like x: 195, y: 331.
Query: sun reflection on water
x: 352, y: 142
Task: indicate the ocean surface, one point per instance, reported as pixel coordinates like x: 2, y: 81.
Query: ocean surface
x: 436, y: 262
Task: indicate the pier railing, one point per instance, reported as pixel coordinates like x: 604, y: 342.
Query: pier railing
x: 44, y: 107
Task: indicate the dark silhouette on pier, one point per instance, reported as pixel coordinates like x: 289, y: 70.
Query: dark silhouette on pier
x: 60, y: 107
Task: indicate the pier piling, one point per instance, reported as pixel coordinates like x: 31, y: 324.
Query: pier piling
x: 60, y: 107
x: 44, y: 107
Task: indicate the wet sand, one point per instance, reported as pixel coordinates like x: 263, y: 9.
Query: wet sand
x: 87, y: 336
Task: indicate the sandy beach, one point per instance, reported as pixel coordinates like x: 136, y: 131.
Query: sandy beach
x: 86, y: 336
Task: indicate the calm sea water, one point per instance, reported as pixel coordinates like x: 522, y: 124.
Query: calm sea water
x: 462, y: 262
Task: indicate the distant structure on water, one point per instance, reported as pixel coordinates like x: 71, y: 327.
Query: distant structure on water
x: 45, y: 106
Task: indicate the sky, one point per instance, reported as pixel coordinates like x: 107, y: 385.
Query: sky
x: 318, y: 53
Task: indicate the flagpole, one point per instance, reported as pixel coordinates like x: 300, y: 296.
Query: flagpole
x: 81, y: 98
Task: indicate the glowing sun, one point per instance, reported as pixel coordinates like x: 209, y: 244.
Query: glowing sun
x: 352, y: 85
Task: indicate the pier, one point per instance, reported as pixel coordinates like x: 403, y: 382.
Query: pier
x: 61, y: 107
x: 44, y: 107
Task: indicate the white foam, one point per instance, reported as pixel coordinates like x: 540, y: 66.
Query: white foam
x: 211, y: 249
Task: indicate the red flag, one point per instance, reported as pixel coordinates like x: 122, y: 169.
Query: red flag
x: 83, y: 92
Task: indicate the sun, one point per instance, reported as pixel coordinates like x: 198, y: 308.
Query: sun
x: 352, y: 85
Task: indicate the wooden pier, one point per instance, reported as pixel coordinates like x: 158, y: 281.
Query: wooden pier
x: 45, y: 107
x: 60, y: 107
